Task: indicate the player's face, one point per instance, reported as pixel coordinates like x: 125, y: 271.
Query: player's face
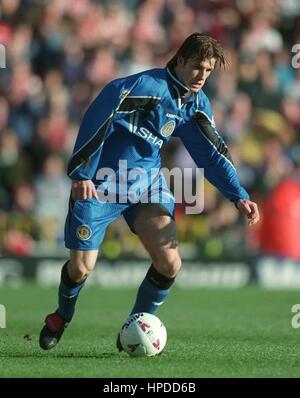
x: 193, y: 73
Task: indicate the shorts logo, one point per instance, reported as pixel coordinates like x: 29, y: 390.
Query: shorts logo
x: 168, y: 128
x: 83, y: 232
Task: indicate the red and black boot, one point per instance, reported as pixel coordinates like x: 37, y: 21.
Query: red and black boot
x: 52, y: 331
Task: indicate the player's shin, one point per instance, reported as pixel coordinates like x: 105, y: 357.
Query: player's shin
x: 152, y: 292
x: 67, y: 295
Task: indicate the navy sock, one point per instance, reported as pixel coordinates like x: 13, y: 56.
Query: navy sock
x: 67, y: 295
x: 152, y: 292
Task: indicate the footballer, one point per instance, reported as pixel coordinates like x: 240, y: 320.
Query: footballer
x: 130, y: 120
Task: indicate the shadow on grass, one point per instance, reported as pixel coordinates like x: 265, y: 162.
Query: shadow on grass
x: 103, y: 355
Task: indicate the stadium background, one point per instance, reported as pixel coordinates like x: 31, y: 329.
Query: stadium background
x: 59, y: 54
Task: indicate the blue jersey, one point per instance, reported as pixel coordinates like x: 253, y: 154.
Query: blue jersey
x: 133, y: 117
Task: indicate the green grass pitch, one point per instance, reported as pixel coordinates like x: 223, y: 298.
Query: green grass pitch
x: 211, y: 333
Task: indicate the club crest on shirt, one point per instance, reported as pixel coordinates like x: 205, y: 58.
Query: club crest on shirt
x: 168, y: 128
x: 83, y: 232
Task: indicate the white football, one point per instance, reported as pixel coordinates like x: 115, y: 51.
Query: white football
x: 143, y: 334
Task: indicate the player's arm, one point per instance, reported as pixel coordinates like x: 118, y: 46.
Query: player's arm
x: 91, y: 135
x: 210, y: 152
x: 93, y: 131
x: 85, y: 158
x: 116, y: 100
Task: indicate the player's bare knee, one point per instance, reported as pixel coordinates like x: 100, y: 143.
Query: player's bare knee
x: 174, y: 266
x: 168, y: 265
x: 77, y: 274
x: 81, y: 264
x: 78, y: 271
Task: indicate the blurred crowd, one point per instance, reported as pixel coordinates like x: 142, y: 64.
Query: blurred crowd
x: 61, y: 53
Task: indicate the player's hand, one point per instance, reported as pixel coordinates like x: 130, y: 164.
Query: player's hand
x: 83, y: 189
x: 250, y: 209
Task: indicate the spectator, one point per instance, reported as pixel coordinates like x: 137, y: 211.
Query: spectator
x: 281, y: 212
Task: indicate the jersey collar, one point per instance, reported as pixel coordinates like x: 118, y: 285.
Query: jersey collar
x: 180, y: 87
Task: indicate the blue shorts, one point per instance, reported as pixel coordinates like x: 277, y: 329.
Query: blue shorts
x: 87, y: 220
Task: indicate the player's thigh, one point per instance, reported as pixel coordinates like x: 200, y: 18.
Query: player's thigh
x: 157, y: 231
x: 86, y: 224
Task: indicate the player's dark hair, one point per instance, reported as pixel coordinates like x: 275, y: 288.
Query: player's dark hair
x: 200, y: 46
